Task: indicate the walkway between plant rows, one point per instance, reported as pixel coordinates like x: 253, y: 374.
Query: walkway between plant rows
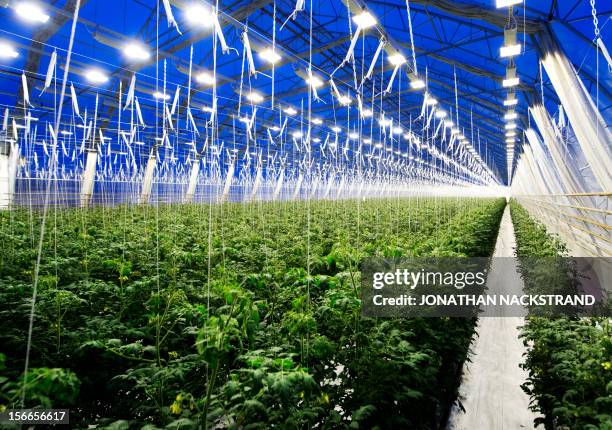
x: 490, y: 390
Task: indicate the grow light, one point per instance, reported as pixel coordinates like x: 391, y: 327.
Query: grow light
x: 397, y: 59
x: 254, y: 97
x: 7, y: 51
x: 378, y: 145
x: 511, y: 102
x: 344, y: 100
x: 66, y: 133
x: 364, y: 20
x: 161, y: 96
x: 510, y: 50
x: 367, y: 141
x: 275, y: 128
x: 200, y: 15
x: 136, y: 51
x: 290, y: 111
x: 430, y: 101
x: 316, y: 140
x: 31, y: 12
x: 270, y: 56
x: 208, y: 109
x: 314, y: 81
x: 440, y: 114
x: 510, y: 126
x: 96, y: 76
x: 510, y: 82
x: 384, y: 122
x: 354, y: 135
x: 366, y: 113
x: 205, y: 78
x: 510, y: 116
x: 417, y: 84
x: 507, y: 3
x: 336, y: 129
x: 510, y: 133
x: 406, y: 136
x: 398, y: 130
x: 297, y: 134
x: 317, y: 121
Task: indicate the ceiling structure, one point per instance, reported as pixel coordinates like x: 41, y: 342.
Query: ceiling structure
x: 456, y: 48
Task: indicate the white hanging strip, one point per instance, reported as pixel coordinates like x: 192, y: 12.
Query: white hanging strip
x: 605, y: 52
x: 139, y: 112
x: 130, y: 94
x: 334, y: 88
x: 249, y: 53
x: 26, y: 93
x: 168, y: 117
x: 299, y: 6
x: 314, y: 87
x: 219, y: 32
x: 176, y: 99
x: 389, y: 86
x: 75, y: 103
x: 414, y: 63
x: 192, y: 121
x: 374, y: 60
x: 283, y: 127
x: 50, y: 71
x: 351, y: 50
x: 170, y: 16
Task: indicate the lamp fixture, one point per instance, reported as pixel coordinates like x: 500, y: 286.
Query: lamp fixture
x: 269, y: 55
x: 136, y: 51
x: 161, y: 96
x: 96, y: 76
x: 510, y: 116
x: 7, y: 51
x: 365, y: 20
x: 31, y: 12
x: 397, y: 59
x: 507, y: 3
x: 254, y: 97
x: 199, y: 15
x: 344, y: 100
x: 205, y: 78
x: 511, y: 102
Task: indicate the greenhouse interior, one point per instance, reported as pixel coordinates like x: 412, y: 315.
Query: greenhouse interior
x: 306, y: 214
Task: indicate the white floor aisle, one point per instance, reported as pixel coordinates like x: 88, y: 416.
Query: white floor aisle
x: 491, y: 387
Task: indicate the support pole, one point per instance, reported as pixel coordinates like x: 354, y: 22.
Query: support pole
x: 87, y: 182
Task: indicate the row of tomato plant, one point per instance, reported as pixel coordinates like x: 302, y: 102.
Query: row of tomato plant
x: 568, y: 359
x: 231, y: 316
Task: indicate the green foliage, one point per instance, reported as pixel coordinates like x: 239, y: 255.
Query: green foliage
x: 234, y: 316
x: 568, y: 360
